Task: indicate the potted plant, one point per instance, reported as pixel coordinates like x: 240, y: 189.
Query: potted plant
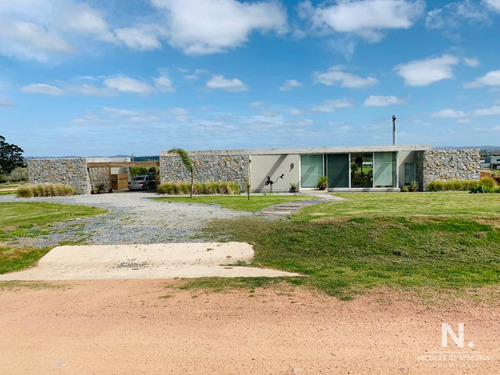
x: 413, y: 187
x: 101, y: 189
x: 293, y: 187
x: 322, y: 183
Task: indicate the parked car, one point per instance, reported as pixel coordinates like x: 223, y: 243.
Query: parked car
x: 142, y: 182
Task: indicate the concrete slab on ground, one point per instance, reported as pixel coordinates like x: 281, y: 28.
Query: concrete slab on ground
x: 154, y: 261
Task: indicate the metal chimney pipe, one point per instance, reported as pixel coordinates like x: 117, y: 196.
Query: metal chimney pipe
x: 394, y: 141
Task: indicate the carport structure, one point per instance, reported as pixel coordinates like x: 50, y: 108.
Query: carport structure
x: 111, y: 173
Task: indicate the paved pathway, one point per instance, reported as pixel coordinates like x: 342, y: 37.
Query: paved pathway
x: 289, y: 208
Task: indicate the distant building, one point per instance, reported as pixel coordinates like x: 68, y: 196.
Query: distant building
x: 491, y: 162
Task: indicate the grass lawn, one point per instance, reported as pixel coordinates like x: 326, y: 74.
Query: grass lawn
x: 31, y: 219
x: 239, y: 202
x: 437, y: 242
x: 405, y: 204
x: 7, y: 192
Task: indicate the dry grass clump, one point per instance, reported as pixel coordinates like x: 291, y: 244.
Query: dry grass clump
x: 47, y: 190
x: 183, y: 188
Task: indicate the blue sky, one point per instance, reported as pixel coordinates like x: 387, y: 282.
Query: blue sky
x: 142, y: 76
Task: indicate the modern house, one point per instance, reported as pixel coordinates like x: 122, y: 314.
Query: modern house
x: 364, y: 168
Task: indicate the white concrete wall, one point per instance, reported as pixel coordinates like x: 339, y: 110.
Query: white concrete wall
x: 262, y: 166
x: 405, y: 157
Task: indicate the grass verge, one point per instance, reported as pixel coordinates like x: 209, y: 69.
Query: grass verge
x: 239, y: 203
x: 371, y: 241
x: 397, y: 205
x: 31, y: 219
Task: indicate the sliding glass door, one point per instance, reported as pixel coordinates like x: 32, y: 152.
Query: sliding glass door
x: 311, y: 169
x: 384, y: 169
x: 338, y: 170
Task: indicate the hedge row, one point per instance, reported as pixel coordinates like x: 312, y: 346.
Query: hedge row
x: 461, y: 185
x: 183, y: 188
x: 51, y: 190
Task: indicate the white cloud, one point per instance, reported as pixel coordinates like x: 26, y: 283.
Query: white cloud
x: 365, y: 18
x: 6, y: 103
x: 42, y: 88
x: 472, y: 61
x: 290, y: 84
x: 210, y: 26
x: 222, y: 83
x: 179, y: 111
x: 25, y: 40
x: 489, y: 79
x: 495, y: 110
x: 463, y: 120
x: 128, y: 85
x: 382, y: 101
x: 493, y: 4
x: 164, y: 84
x: 448, y: 113
x: 452, y: 15
x: 427, y: 71
x: 336, y: 76
x: 141, y: 39
x: 295, y: 111
x: 332, y: 105
x: 116, y: 112
x: 255, y: 104
x: 83, y: 19
x: 89, y: 90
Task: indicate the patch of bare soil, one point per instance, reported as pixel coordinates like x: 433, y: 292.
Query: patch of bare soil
x: 144, y: 327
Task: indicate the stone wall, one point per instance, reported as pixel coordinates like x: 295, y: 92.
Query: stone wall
x: 210, y: 167
x: 71, y: 172
x: 446, y: 165
x: 99, y: 176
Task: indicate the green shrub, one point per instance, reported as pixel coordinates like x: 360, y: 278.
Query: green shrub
x: 488, y: 182
x: 184, y: 188
x: 166, y: 188
x: 18, y: 174
x: 221, y: 187
x: 212, y: 188
x: 25, y: 192
x: 233, y: 188
x: 405, y: 189
x: 199, y: 188
x: 454, y: 185
x: 50, y: 190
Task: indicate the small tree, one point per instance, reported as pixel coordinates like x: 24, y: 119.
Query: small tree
x: 11, y: 156
x: 188, y: 164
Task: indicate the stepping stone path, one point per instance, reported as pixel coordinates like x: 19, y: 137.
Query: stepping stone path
x: 289, y: 208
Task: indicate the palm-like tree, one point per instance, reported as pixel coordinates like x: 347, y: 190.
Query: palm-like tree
x: 186, y: 161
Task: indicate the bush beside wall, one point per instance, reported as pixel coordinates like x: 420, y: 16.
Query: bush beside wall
x: 49, y: 190
x: 183, y: 188
x: 462, y: 185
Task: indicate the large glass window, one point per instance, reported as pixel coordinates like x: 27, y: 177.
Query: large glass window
x: 311, y: 168
x: 409, y: 173
x: 384, y: 169
x: 361, y: 170
x: 338, y: 170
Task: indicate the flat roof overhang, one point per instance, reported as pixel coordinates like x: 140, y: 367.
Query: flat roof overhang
x: 311, y: 150
x: 125, y: 164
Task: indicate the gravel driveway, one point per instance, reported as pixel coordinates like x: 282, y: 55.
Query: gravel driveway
x: 134, y: 218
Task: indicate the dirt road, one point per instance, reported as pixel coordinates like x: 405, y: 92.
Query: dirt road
x: 146, y: 327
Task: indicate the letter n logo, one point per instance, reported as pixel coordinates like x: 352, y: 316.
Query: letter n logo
x: 446, y: 330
